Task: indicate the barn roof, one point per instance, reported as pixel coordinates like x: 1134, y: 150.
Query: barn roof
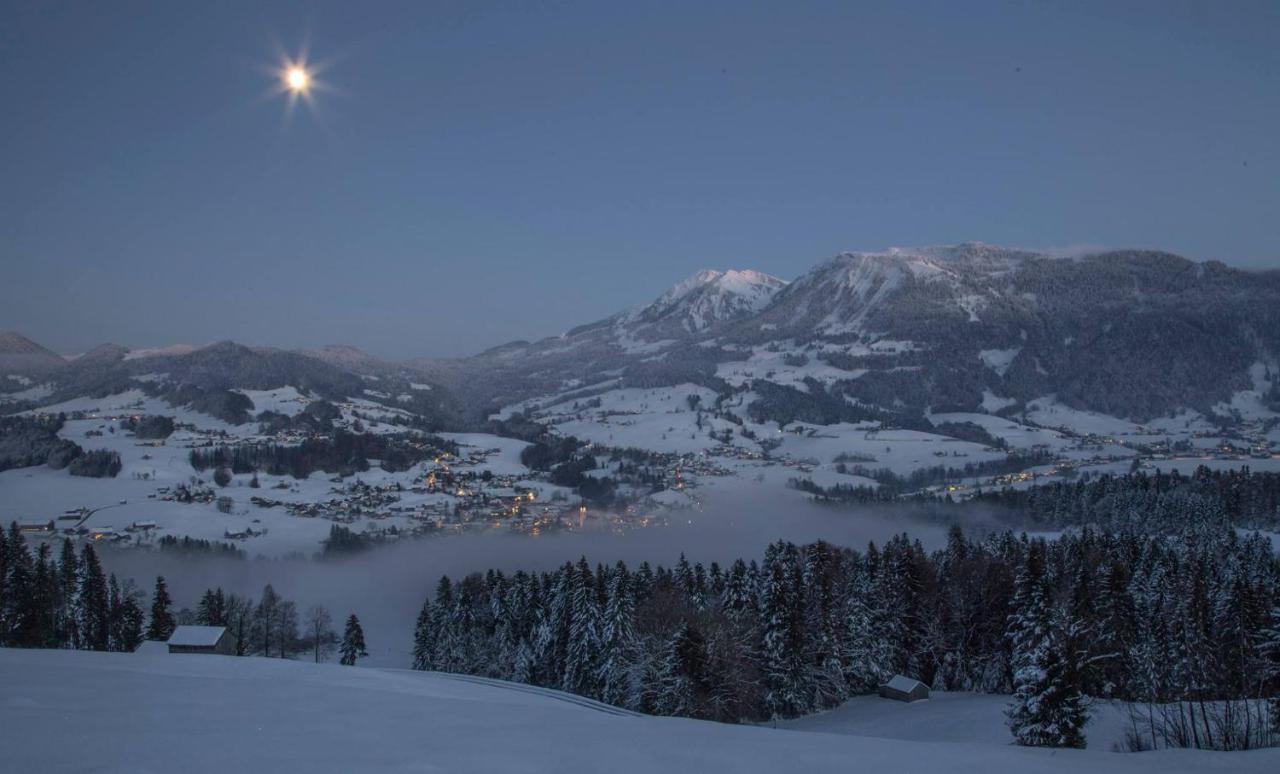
x: 903, y: 683
x: 197, y: 636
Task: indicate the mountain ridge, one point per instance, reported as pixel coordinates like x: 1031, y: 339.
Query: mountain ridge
x: 967, y: 327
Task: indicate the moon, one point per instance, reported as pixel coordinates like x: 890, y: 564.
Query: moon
x: 297, y: 79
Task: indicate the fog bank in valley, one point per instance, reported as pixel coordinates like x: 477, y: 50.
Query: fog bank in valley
x: 385, y: 586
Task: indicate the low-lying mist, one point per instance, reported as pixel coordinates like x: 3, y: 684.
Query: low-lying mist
x: 385, y: 586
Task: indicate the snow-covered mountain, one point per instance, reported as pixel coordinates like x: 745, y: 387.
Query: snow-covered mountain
x: 20, y: 356
x: 896, y: 334
x: 708, y: 298
x: 970, y: 327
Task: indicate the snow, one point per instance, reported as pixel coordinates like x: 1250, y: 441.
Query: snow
x: 958, y: 717
x: 999, y: 360
x: 904, y: 684
x: 176, y: 349
x: 38, y: 392
x: 992, y: 403
x: 1049, y: 412
x: 1018, y: 436
x: 285, y: 400
x: 70, y: 711
x: 196, y: 636
x: 1249, y: 403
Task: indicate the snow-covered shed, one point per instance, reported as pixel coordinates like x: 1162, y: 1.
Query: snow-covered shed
x: 904, y: 689
x: 202, y: 639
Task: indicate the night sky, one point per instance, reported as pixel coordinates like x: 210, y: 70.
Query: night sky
x: 467, y: 173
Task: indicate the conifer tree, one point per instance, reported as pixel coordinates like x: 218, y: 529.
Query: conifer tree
x: 1047, y: 709
x: 353, y: 646
x: 68, y: 591
x: 95, y: 608
x: 583, y: 650
x: 162, y: 622
x: 424, y: 637
x: 131, y: 619
x: 682, y: 681
x: 618, y: 641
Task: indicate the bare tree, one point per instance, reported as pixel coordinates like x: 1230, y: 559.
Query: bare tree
x: 322, y: 637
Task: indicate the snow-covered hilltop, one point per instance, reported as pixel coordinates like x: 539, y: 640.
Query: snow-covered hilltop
x: 709, y: 298
x: 73, y: 711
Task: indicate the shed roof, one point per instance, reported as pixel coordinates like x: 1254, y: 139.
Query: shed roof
x: 197, y: 636
x: 903, y: 683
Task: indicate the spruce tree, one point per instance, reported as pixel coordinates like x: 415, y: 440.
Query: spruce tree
x: 68, y: 590
x: 353, y: 646
x: 618, y: 642
x: 95, y: 606
x: 130, y: 620
x: 162, y: 622
x: 1047, y: 709
x: 682, y: 688
x: 583, y: 653
x: 23, y: 616
x: 424, y: 637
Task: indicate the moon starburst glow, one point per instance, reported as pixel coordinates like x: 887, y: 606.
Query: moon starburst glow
x: 297, y: 79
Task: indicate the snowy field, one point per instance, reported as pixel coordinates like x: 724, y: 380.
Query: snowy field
x: 68, y: 711
x: 949, y: 717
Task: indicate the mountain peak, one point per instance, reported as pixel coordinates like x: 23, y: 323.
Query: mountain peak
x: 22, y: 356
x: 712, y: 296
x: 14, y: 343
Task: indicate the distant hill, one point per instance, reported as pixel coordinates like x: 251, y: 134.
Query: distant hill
x: 21, y: 356
x: 896, y: 333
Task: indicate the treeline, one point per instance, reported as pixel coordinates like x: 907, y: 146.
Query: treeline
x: 28, y: 441
x: 96, y: 463
x: 69, y: 602
x: 1153, y: 620
x: 344, y: 453
x: 65, y: 601
x: 189, y: 546
x: 892, y: 486
x: 1152, y: 502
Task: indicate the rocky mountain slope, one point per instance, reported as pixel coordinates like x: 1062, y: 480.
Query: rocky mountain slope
x: 896, y: 335
x: 1135, y: 334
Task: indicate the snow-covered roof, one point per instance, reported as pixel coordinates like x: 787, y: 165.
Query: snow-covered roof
x: 197, y: 636
x: 902, y: 683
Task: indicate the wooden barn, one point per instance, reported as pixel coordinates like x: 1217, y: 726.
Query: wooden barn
x: 904, y: 689
x: 202, y: 639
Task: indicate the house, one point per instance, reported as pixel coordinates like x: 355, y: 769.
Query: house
x: 904, y: 689
x: 202, y: 639
x: 35, y: 526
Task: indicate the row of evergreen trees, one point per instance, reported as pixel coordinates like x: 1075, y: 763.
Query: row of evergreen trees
x: 1152, y: 502
x: 343, y: 452
x: 68, y: 601
x: 1155, y: 620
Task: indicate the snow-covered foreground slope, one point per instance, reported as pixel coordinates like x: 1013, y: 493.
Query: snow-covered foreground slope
x: 66, y: 711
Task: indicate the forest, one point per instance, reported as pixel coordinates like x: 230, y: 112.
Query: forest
x: 344, y: 453
x: 1185, y: 627
x: 1154, y: 502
